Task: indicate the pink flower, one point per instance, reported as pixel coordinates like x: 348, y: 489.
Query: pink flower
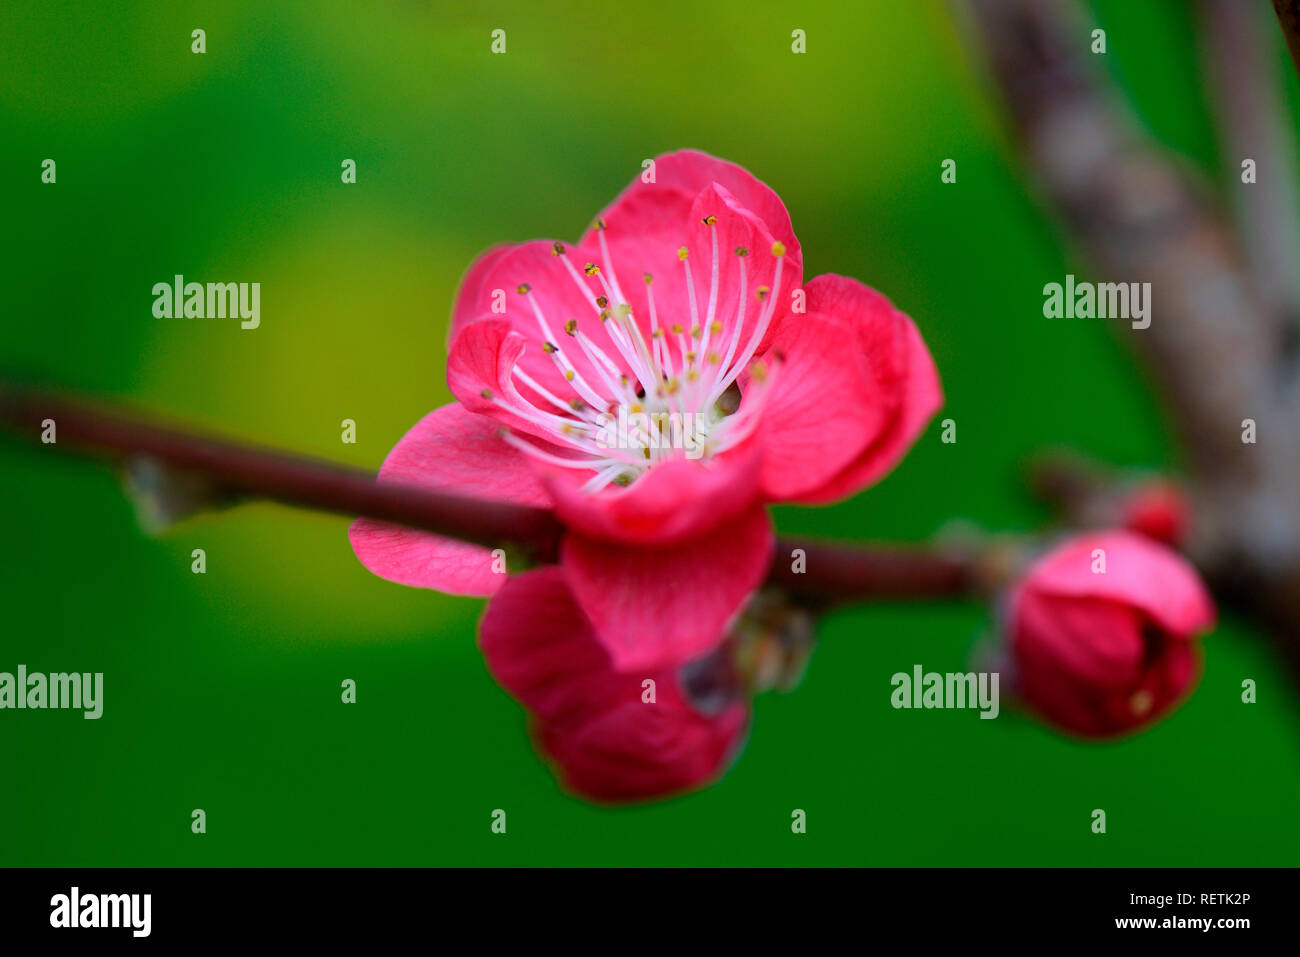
x: 1100, y: 653
x: 657, y: 384
x: 608, y: 739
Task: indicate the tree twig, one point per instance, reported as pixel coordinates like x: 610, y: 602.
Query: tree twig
x: 1218, y: 355
x: 1288, y: 16
x: 1243, y: 86
x: 829, y: 573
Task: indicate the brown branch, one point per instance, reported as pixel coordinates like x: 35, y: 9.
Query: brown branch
x: 243, y: 470
x: 1214, y: 350
x: 1288, y: 17
x: 1243, y: 85
x: 849, y: 572
x: 832, y: 573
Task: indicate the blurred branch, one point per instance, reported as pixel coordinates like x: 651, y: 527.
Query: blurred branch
x: 1288, y: 16
x: 1244, y: 89
x: 851, y: 572
x: 831, y: 573
x: 1213, y: 348
x: 242, y: 470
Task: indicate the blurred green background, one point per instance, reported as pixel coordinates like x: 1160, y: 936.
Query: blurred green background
x: 222, y: 690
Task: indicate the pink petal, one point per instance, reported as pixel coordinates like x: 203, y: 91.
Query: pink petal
x: 679, y: 178
x: 474, y: 297
x: 638, y: 751
x: 636, y: 249
x: 821, y: 411
x: 609, y: 742
x: 540, y: 647
x: 674, y: 500
x: 494, y: 283
x: 456, y: 451
x: 481, y: 357
x: 896, y: 358
x: 658, y: 607
x: 1099, y: 643
x: 1139, y: 573
x: 480, y: 363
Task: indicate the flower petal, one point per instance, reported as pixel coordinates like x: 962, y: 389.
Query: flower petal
x: 636, y: 250
x: 895, y: 356
x: 452, y: 450
x: 474, y: 297
x: 1098, y: 642
x: 675, y: 500
x: 656, y: 607
x: 822, y: 412
x: 540, y: 647
x: 638, y: 751
x: 611, y: 743
x: 1139, y: 573
x: 492, y: 291
x: 679, y: 178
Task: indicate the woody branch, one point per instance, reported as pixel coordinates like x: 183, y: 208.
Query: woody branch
x: 828, y: 573
x: 1216, y: 352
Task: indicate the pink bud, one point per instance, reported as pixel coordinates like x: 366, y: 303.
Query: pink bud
x: 1102, y: 632
x: 1159, y: 510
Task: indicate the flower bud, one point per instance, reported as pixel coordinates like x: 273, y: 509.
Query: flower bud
x: 1101, y: 632
x: 1158, y: 509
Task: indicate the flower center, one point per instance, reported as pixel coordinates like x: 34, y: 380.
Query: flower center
x: 645, y: 398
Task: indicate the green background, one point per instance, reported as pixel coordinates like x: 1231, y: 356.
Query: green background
x: 222, y: 691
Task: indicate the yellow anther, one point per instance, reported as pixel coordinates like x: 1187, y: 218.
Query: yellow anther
x: 486, y: 393
x: 557, y: 249
x: 677, y: 328
x: 761, y: 293
x: 549, y: 347
x: 683, y: 253
x: 648, y: 279
x: 602, y: 301
x: 742, y: 251
x: 591, y: 269
x: 523, y: 289
x: 710, y: 220
x: 568, y: 375
x: 571, y: 326
x: 600, y: 224
x: 778, y: 248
